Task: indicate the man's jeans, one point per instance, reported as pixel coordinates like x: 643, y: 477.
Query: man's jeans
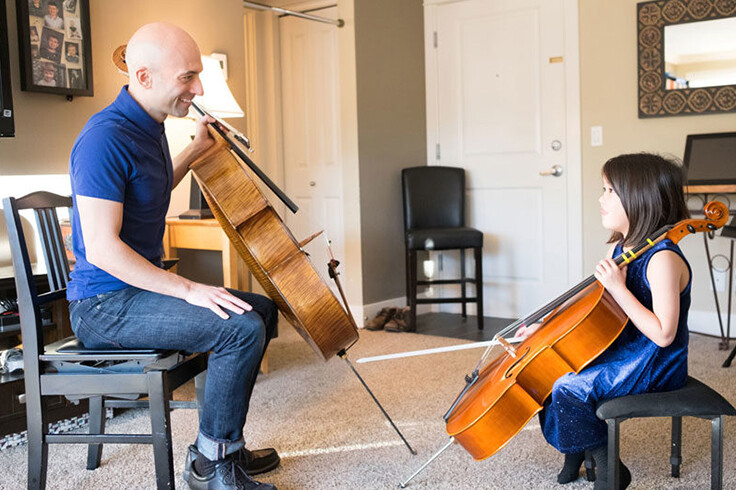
x: 134, y: 318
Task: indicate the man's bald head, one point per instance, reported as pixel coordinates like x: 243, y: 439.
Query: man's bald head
x: 164, y: 63
x: 156, y: 42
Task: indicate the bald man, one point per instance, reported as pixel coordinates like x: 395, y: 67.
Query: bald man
x: 119, y: 296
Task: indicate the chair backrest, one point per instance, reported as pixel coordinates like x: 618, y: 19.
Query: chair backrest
x: 44, y: 206
x: 434, y: 197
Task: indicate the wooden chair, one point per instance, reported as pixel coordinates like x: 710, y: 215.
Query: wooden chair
x: 434, y: 219
x: 69, y: 369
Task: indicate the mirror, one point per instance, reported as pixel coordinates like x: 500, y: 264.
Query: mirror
x: 687, y: 57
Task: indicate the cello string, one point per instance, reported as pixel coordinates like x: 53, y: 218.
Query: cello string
x: 551, y: 306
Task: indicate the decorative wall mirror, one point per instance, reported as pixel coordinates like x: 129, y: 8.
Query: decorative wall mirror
x: 687, y: 57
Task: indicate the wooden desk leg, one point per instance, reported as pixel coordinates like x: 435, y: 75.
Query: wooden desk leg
x: 264, y: 363
x: 229, y: 264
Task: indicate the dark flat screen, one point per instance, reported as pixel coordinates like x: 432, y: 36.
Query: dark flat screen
x: 710, y: 159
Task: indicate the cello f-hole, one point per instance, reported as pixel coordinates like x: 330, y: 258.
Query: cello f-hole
x: 516, y: 362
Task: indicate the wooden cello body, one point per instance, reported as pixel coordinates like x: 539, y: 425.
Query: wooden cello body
x: 500, y: 399
x: 275, y: 258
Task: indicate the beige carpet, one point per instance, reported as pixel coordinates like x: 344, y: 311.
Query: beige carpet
x: 331, y: 436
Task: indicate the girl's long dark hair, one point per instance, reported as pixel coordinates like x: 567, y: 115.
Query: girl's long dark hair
x: 651, y: 191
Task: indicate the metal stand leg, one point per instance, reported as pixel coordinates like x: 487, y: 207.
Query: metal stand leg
x: 723, y: 345
x: 344, y: 355
x: 421, y: 468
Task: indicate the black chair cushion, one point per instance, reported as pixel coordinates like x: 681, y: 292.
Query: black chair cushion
x: 71, y: 349
x: 695, y: 399
x: 443, y: 238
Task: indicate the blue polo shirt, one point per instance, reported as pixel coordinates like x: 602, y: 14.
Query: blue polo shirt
x: 121, y: 155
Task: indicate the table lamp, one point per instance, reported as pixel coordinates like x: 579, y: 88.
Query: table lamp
x: 218, y: 101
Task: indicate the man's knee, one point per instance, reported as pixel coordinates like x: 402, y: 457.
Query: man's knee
x: 243, y: 332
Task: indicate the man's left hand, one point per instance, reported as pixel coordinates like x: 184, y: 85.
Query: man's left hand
x: 202, y: 140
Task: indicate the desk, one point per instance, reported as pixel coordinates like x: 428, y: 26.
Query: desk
x: 203, y: 234
x: 206, y: 234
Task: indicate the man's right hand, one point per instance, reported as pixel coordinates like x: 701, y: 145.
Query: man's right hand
x: 216, y: 298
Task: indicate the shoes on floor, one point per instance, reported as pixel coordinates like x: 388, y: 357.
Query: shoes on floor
x: 380, y: 320
x: 226, y: 475
x: 254, y: 462
x: 400, y: 321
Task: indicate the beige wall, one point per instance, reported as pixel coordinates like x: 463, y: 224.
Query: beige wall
x: 47, y: 125
x: 389, y: 45
x: 608, y: 60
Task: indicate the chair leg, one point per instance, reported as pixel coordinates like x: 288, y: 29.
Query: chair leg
x: 479, y: 285
x: 716, y: 453
x: 589, y: 466
x: 407, y: 256
x: 200, y: 382
x: 613, y: 448
x: 462, y: 283
x: 413, y: 290
x: 676, y: 454
x: 96, y: 426
x: 163, y: 457
x: 38, y: 449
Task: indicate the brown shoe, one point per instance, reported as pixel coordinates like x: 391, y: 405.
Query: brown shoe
x: 381, y: 318
x: 399, y: 323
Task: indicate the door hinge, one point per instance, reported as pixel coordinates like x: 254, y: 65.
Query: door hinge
x: 437, y: 151
x: 434, y: 38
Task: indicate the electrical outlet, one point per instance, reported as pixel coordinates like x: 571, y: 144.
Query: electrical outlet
x: 596, y: 136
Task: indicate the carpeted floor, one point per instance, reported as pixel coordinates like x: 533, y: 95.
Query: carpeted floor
x: 331, y: 436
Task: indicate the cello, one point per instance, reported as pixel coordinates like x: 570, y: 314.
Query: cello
x: 278, y: 261
x: 501, y: 397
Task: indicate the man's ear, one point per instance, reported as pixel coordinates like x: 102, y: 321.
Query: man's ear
x: 143, y: 75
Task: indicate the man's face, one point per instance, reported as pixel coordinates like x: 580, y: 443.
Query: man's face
x: 176, y: 82
x: 53, y: 11
x: 53, y: 43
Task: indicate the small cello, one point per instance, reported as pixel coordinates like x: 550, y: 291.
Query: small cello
x: 499, y: 399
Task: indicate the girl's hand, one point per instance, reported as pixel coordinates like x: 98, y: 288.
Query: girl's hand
x: 610, y: 276
x: 525, y: 331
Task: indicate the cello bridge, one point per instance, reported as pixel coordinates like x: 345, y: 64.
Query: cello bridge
x: 510, y: 349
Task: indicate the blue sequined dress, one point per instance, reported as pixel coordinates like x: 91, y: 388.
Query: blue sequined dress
x: 632, y: 364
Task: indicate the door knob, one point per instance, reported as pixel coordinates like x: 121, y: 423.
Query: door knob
x: 312, y: 183
x: 555, y: 171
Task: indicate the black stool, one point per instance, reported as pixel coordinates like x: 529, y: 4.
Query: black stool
x: 434, y: 219
x: 695, y: 399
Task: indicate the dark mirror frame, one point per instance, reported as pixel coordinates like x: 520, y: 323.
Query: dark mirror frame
x: 654, y: 100
x: 26, y: 60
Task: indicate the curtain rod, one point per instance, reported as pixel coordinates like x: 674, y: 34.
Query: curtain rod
x: 258, y: 6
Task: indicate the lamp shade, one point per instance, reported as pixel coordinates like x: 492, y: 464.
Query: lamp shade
x: 217, y: 98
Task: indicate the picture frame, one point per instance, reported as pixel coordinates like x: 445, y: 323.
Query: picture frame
x: 55, y: 47
x: 7, y: 117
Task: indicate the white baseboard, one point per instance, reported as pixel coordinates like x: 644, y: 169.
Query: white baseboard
x: 369, y: 311
x: 706, y: 322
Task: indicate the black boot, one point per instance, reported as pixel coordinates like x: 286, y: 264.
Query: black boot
x: 571, y: 468
x: 600, y: 455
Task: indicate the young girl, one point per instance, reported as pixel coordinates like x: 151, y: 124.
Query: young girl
x: 641, y: 193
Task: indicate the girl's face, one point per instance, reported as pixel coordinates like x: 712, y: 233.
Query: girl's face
x: 613, y: 215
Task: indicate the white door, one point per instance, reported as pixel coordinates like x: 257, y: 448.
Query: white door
x: 310, y: 112
x: 496, y: 107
